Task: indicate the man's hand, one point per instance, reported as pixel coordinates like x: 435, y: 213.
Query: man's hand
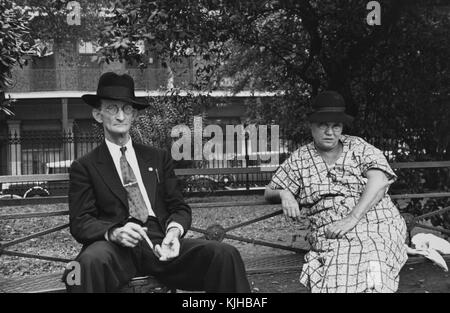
x: 170, y: 246
x: 340, y: 228
x: 128, y: 235
x: 289, y: 204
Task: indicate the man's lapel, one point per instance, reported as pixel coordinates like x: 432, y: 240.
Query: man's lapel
x: 108, y: 172
x: 147, y: 166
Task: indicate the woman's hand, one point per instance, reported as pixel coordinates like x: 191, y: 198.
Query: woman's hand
x: 289, y: 204
x: 340, y: 228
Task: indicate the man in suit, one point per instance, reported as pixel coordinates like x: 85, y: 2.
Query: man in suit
x: 122, y: 192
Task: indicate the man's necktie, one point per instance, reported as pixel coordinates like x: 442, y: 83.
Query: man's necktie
x: 136, y: 202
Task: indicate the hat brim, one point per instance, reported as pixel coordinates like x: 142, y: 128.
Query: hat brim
x: 94, y: 101
x: 337, y: 117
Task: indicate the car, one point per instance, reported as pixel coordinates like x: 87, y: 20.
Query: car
x: 39, y: 188
x: 208, y: 184
x: 24, y: 190
x: 58, y: 188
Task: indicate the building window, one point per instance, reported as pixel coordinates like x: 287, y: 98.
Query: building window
x: 40, y: 148
x: 36, y: 160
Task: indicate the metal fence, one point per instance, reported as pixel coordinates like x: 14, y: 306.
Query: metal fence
x: 46, y: 152
x: 51, y: 152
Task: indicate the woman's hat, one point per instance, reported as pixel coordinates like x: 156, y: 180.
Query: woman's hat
x: 329, y: 106
x: 115, y: 87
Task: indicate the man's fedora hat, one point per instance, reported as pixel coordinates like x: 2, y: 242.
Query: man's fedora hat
x: 329, y: 106
x: 115, y: 87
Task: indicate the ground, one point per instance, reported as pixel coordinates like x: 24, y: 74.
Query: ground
x: 418, y: 278
x: 415, y: 278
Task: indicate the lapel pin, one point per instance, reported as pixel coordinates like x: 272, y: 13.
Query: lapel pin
x: 150, y: 169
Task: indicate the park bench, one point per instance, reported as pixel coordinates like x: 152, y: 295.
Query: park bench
x: 284, y: 262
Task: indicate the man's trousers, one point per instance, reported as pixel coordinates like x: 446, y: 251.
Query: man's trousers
x: 202, y: 265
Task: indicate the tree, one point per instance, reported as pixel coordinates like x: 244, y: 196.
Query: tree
x: 395, y: 79
x: 14, y: 45
x: 50, y: 19
x: 407, y: 94
x: 393, y: 76
x: 26, y: 24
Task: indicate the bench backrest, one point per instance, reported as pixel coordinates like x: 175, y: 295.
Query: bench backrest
x: 212, y: 171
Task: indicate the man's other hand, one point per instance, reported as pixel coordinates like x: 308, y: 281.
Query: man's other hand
x: 129, y: 235
x: 170, y: 246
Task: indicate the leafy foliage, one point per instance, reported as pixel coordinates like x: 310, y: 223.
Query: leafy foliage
x: 5, y: 104
x: 14, y: 35
x: 154, y: 124
x: 170, y: 29
x: 49, y: 20
x: 394, y: 77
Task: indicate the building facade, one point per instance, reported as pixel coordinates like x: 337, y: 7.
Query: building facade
x: 52, y: 124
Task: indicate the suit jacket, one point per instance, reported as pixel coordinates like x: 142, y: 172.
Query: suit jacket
x: 98, y: 200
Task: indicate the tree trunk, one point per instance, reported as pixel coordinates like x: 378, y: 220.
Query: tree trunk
x: 339, y: 80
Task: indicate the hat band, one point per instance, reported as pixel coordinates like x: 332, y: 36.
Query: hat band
x: 115, y: 92
x: 330, y: 109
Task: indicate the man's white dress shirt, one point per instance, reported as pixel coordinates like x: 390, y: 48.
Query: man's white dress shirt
x: 130, y: 155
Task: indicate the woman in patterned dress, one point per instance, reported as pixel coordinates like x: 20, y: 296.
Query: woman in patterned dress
x: 340, y: 182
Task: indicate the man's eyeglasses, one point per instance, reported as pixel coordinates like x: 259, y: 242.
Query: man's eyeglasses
x: 334, y: 127
x: 114, y: 109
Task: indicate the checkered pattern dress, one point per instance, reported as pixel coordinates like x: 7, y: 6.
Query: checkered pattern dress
x: 369, y: 257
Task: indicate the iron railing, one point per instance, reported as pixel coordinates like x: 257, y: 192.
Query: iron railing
x: 51, y: 152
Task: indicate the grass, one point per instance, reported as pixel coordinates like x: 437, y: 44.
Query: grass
x: 61, y: 244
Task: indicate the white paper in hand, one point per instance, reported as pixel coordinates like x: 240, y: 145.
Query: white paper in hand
x: 430, y: 246
x: 425, y: 241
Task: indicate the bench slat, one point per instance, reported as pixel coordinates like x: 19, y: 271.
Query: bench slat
x: 42, y: 283
x: 425, y: 164
x: 210, y: 171
x: 31, y: 215
x: 52, y: 283
x: 421, y: 195
x: 33, y: 178
x: 206, y: 205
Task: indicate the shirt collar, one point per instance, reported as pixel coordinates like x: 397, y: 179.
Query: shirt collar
x: 114, y: 148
